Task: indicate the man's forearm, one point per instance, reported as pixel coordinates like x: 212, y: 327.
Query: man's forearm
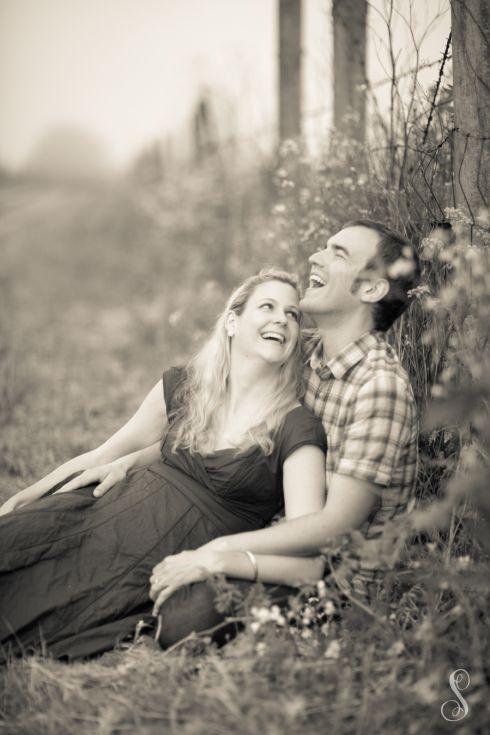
x: 349, y: 504
x: 301, y: 536
x: 273, y: 569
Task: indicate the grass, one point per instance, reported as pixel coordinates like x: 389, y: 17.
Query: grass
x: 106, y: 287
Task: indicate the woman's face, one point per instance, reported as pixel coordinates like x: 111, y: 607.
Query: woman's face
x: 268, y: 326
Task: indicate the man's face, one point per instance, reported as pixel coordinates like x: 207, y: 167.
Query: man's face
x: 334, y: 270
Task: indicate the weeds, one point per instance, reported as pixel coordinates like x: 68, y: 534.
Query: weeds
x: 324, y: 664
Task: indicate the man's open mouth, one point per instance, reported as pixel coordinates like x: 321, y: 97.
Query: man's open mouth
x: 316, y: 281
x: 274, y: 337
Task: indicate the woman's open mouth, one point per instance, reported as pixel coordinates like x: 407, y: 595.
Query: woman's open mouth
x: 274, y: 337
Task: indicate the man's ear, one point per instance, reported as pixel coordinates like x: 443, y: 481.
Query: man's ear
x: 375, y: 290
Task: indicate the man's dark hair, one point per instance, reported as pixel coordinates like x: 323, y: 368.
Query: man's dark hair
x: 405, y: 275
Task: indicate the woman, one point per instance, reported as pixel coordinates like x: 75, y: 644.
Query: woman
x: 219, y: 454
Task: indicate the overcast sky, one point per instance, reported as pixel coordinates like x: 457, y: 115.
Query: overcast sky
x: 129, y: 70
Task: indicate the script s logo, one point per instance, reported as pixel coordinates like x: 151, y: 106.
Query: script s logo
x: 458, y: 680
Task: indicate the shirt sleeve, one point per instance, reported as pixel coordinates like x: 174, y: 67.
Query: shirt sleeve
x: 379, y: 428
x: 300, y: 427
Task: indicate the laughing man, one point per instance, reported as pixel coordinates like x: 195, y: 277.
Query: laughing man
x: 358, y: 287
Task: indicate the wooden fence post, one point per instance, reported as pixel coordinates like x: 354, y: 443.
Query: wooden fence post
x: 289, y: 69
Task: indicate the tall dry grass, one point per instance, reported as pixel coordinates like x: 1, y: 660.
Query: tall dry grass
x: 354, y: 669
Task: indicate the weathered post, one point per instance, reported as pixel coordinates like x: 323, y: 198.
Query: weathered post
x: 349, y: 54
x: 289, y: 68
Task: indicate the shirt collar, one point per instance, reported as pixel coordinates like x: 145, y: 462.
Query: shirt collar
x: 349, y: 356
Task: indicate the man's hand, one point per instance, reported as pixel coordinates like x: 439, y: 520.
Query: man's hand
x: 181, y: 569
x: 106, y: 476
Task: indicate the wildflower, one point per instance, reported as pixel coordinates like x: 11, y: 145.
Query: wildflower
x: 396, y: 649
x: 175, y: 317
x: 437, y: 391
x: 333, y: 650
x: 329, y: 607
x: 279, y: 209
x: 464, y: 561
x: 288, y: 146
x: 260, y: 648
x: 418, y: 292
x: 456, y: 611
x: 322, y: 588
x: 255, y: 626
x: 483, y: 217
x: 401, y: 267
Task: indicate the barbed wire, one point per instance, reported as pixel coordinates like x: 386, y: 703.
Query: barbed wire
x: 438, y: 84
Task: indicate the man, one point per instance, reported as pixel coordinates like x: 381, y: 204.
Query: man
x: 359, y: 285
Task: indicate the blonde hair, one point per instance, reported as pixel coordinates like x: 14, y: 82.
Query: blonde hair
x: 203, y: 391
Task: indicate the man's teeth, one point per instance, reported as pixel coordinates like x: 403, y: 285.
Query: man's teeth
x: 316, y: 281
x: 275, y: 336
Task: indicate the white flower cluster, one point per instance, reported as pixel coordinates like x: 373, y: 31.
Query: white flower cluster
x: 316, y: 612
x: 263, y: 615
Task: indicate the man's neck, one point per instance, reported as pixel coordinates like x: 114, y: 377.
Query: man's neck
x: 339, y: 331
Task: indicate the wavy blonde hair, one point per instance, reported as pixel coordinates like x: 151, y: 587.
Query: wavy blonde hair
x: 204, y: 390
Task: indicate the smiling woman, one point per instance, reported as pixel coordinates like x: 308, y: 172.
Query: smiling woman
x: 218, y: 451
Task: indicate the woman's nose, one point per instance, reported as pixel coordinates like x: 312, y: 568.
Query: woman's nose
x: 280, y: 317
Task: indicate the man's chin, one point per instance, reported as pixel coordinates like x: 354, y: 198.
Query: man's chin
x: 308, y: 306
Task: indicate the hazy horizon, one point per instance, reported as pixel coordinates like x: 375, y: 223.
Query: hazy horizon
x: 128, y: 73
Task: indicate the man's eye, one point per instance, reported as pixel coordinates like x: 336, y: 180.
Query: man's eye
x: 294, y: 314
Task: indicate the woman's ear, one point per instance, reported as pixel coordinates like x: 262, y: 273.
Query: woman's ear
x: 230, y: 324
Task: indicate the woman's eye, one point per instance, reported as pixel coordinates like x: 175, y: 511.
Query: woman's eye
x: 266, y: 306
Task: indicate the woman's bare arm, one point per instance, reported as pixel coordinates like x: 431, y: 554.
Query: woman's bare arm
x: 304, y: 493
x: 145, y: 428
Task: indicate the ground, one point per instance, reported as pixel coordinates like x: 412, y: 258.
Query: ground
x: 97, y: 296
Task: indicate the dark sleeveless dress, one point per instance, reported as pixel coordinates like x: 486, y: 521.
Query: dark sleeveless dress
x: 74, y: 569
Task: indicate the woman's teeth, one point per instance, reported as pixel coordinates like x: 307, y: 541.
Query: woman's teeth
x: 274, y: 336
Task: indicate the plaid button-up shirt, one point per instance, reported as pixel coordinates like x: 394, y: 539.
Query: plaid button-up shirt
x: 365, y: 401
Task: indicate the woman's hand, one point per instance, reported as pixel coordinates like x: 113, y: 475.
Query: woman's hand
x: 106, y: 476
x: 176, y: 571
